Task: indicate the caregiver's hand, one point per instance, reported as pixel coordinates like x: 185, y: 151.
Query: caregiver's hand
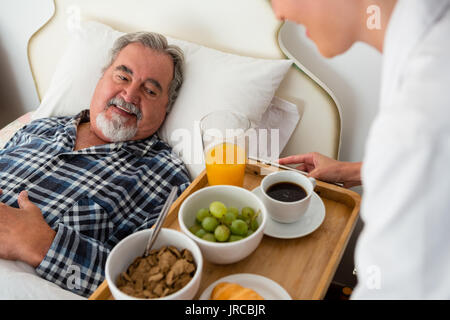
x: 24, y: 234
x: 327, y: 169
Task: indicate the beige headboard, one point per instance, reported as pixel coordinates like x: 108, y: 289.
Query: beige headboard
x: 246, y: 27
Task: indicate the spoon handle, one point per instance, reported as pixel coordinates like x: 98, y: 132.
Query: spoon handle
x: 160, y: 221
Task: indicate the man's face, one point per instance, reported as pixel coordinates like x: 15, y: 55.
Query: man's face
x: 130, y: 100
x: 331, y: 24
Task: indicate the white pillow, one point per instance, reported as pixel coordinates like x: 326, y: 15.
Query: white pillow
x: 213, y: 80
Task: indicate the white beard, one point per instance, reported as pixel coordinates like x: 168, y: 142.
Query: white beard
x: 115, y: 129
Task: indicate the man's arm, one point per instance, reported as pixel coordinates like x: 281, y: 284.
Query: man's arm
x: 24, y: 234
x: 65, y: 257
x: 74, y: 261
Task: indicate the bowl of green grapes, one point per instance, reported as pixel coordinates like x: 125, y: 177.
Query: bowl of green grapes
x: 227, y: 222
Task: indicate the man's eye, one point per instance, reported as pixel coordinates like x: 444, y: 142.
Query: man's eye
x: 122, y: 78
x: 150, y: 92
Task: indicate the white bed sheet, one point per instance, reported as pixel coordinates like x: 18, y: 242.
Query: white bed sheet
x: 19, y: 281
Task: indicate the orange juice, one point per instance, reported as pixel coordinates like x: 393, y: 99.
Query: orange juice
x: 225, y: 164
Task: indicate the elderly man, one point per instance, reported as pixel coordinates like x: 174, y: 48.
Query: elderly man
x: 72, y: 187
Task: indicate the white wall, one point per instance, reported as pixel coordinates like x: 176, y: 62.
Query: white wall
x: 353, y: 77
x: 19, y: 19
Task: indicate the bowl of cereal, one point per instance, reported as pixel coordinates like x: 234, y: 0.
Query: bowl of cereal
x: 227, y: 222
x: 171, y: 271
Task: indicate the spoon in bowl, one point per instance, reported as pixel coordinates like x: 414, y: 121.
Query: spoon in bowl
x: 160, y: 221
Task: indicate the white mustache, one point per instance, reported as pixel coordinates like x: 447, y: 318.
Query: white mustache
x: 128, y: 106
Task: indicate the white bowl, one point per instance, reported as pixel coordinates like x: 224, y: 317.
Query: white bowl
x: 223, y: 252
x: 124, y: 253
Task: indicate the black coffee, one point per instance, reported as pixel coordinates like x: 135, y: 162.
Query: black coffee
x: 286, y: 192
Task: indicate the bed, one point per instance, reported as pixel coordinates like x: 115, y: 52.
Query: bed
x: 241, y: 28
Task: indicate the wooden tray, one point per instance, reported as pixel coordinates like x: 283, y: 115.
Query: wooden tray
x: 304, y: 266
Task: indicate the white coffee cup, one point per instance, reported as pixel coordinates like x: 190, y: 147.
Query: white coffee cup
x: 287, y: 212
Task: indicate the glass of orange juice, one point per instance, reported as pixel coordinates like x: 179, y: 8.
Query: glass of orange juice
x: 224, y: 147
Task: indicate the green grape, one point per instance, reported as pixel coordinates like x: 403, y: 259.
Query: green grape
x: 247, y: 213
x: 217, y: 209
x: 234, y: 210
x: 209, y: 224
x: 202, y: 214
x: 219, y: 223
x: 234, y: 237
x: 222, y: 233
x: 228, y: 218
x: 209, y: 237
x: 239, y: 227
x: 200, y: 233
x: 196, y: 227
x: 254, y: 225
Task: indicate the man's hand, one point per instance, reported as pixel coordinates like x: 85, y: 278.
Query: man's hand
x: 326, y: 169
x: 24, y: 234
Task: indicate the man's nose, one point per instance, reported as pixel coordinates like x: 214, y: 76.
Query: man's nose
x: 131, y: 93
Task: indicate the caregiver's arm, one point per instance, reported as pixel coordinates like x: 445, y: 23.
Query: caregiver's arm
x: 326, y: 169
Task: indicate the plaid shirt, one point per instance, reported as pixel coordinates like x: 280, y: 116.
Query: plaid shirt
x: 92, y: 197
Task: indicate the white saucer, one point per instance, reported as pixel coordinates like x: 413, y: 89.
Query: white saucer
x: 266, y: 288
x: 311, y: 220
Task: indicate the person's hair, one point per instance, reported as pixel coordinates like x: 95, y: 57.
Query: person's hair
x: 157, y: 42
